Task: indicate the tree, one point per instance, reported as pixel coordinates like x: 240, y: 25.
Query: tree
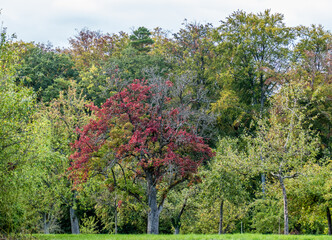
x: 254, y: 49
x: 283, y: 142
x: 16, y: 108
x: 42, y: 170
x: 55, y: 130
x: 46, y: 71
x: 193, y: 50
x: 17, y: 105
x: 98, y: 84
x: 311, y: 201
x: 141, y: 40
x: 137, y: 128
x: 226, y: 179
x: 179, y: 202
x: 191, y: 54
x: 312, y: 62
x: 132, y: 64
x: 90, y: 48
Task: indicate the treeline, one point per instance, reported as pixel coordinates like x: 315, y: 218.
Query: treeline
x: 207, y: 130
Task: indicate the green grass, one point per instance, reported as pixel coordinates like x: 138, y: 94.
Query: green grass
x: 180, y: 237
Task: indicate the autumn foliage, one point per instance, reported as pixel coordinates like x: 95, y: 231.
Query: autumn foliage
x: 139, y: 125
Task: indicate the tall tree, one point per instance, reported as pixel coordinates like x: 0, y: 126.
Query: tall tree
x: 226, y: 178
x: 137, y: 128
x: 64, y: 115
x: 312, y: 56
x: 16, y: 108
x: 282, y: 140
x: 90, y: 48
x: 254, y: 48
x: 193, y: 50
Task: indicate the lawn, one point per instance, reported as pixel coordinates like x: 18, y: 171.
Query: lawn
x: 180, y: 237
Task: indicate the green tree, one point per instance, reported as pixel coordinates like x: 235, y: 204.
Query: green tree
x: 254, y: 49
x: 44, y: 176
x: 193, y: 50
x: 16, y: 108
x: 46, y: 71
x: 93, y: 48
x: 141, y: 40
x: 313, y: 64
x: 226, y: 180
x: 63, y: 116
x: 282, y: 141
x: 311, y: 202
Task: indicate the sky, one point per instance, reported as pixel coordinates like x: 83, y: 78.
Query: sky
x: 56, y: 21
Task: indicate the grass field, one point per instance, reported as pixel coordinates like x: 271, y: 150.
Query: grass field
x: 180, y: 237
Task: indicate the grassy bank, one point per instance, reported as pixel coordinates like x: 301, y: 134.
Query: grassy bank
x: 180, y: 237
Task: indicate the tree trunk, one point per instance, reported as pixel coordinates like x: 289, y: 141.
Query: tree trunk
x: 263, y: 86
x: 328, y: 215
x: 221, y: 216
x: 46, y: 225
x: 176, y: 222
x: 286, y: 226
x: 262, y: 98
x: 75, y: 228
x: 263, y: 178
x: 154, y: 210
x: 116, y: 216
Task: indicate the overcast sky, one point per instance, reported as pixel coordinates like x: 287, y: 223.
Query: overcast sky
x: 58, y: 20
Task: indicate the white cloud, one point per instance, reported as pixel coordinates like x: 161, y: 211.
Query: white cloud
x: 56, y: 20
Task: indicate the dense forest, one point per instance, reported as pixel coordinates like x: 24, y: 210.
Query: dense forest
x: 212, y: 129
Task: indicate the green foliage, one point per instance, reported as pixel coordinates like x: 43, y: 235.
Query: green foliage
x: 133, y: 65
x: 282, y: 140
x: 253, y: 51
x: 90, y: 48
x: 310, y: 193
x: 89, y: 225
x: 46, y: 71
x: 140, y: 39
x: 9, y: 53
x: 193, y: 50
x: 258, y: 90
x: 187, y: 237
x: 267, y: 213
x: 16, y: 108
x: 313, y: 58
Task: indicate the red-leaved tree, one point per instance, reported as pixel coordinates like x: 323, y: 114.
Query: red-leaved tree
x: 139, y: 126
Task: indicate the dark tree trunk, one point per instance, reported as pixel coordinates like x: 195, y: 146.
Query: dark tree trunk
x: 286, y: 226
x: 116, y: 216
x: 263, y: 178
x: 262, y: 85
x: 46, y: 225
x: 75, y: 228
x: 328, y: 215
x: 263, y: 183
x: 221, y: 216
x: 154, y: 210
x: 176, y: 222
